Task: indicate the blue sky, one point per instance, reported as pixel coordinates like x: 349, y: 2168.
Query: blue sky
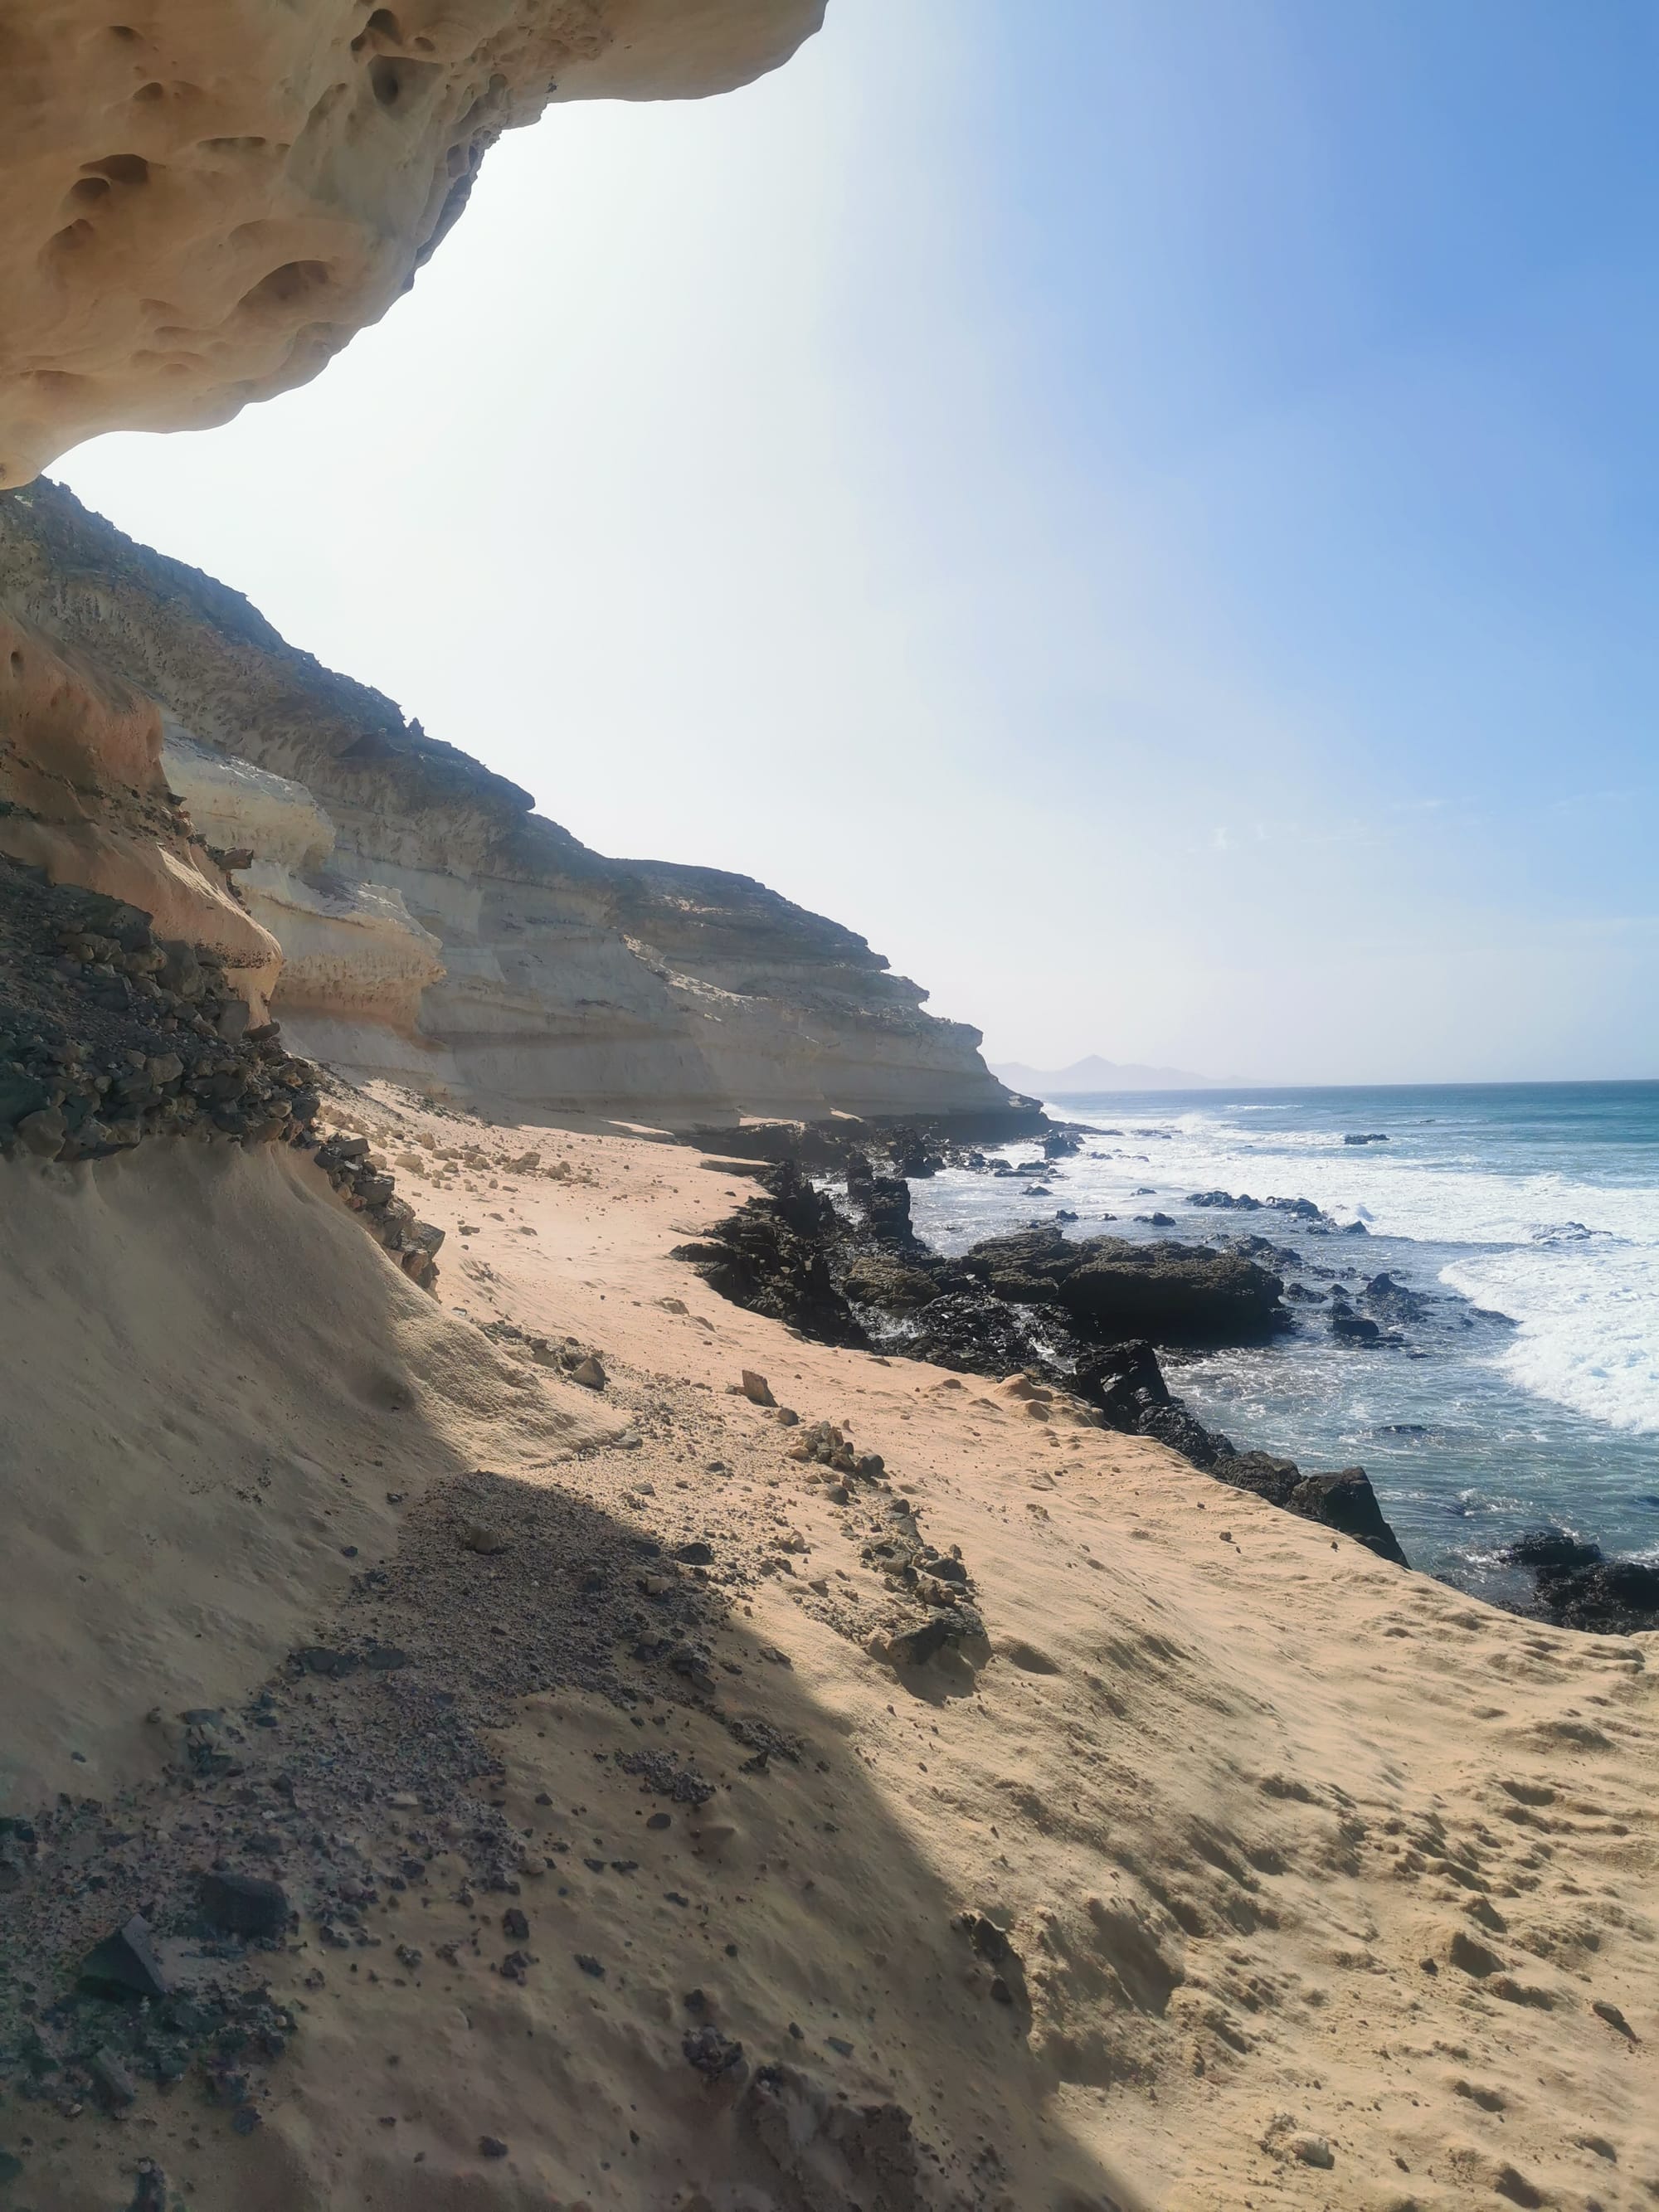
x: 1146, y: 511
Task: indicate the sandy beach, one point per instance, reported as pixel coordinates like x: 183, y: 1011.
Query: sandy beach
x: 1242, y: 1869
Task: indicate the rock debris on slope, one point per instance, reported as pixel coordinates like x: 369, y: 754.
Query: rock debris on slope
x: 109, y: 1038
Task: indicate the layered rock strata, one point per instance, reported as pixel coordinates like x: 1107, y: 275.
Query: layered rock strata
x: 83, y: 796
x: 206, y: 199
x: 437, y: 931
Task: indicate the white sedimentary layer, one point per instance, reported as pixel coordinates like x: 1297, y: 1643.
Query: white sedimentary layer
x: 355, y: 960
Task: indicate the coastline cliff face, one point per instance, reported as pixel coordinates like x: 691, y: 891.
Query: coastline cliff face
x: 430, y: 927
x: 203, y: 203
x: 206, y: 199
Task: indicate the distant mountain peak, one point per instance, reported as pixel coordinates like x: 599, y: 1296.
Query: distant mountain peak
x: 1095, y: 1074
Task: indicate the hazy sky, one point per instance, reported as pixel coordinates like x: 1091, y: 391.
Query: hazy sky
x: 1147, y: 511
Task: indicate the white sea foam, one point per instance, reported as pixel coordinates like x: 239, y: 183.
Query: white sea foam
x: 1574, y: 1260
x: 1588, y: 1324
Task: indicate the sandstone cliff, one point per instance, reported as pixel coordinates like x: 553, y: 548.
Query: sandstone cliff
x: 433, y: 928
x: 206, y: 199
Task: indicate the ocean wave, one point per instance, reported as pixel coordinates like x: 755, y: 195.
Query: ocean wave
x: 1588, y: 1326
x: 1566, y: 1245
x: 1454, y: 1199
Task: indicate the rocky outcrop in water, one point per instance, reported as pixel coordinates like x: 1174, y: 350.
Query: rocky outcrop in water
x: 204, y: 204
x: 1578, y: 1586
x: 408, y: 913
x: 1170, y: 1292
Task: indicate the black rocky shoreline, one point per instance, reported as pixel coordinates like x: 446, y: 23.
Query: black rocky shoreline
x: 1081, y: 1316
x: 1087, y: 1316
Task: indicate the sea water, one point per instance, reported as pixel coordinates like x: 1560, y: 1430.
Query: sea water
x: 1528, y: 1214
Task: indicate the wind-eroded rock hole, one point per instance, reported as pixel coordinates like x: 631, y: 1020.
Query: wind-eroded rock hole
x: 394, y: 82
x: 69, y: 239
x: 116, y: 169
x: 295, y: 280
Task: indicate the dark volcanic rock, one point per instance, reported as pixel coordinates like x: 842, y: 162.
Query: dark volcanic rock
x: 1123, y: 1380
x: 109, y: 1035
x: 244, y: 1905
x: 1579, y: 1588
x: 1552, y: 1548
x: 774, y: 1258
x: 1352, y: 1328
x: 1170, y: 1293
x: 1084, y: 1316
x: 1616, y: 1597
x: 974, y: 1334
x: 1392, y: 1301
x: 125, y: 1965
x: 1345, y: 1501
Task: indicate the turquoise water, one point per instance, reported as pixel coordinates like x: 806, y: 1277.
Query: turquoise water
x: 1527, y: 1213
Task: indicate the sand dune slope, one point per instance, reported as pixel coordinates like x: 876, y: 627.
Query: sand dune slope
x: 1235, y: 1869
x: 212, y: 1377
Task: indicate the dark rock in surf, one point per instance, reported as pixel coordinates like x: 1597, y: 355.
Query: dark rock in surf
x: 1392, y: 1301
x: 1083, y: 1315
x: 1302, y: 1208
x: 1578, y: 1587
x: 1613, y: 1597
x: 1114, y: 1291
x: 1553, y: 1549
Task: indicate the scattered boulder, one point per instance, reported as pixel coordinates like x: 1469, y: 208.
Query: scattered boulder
x: 109, y: 2078
x: 1392, y: 1302
x: 712, y: 2053
x: 483, y: 1536
x: 1350, y: 1327
x: 245, y: 1905
x: 125, y: 1964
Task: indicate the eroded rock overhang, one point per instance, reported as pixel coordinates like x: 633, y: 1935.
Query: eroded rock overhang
x: 204, y: 200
